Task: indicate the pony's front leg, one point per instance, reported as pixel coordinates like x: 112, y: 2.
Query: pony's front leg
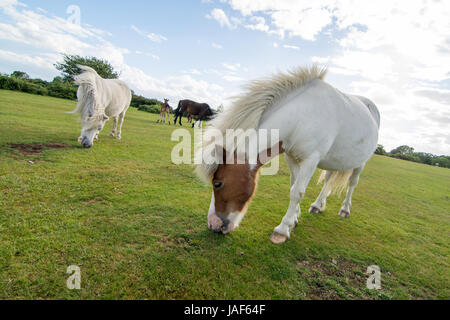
x: 352, y: 183
x: 114, y: 127
x: 119, y: 131
x: 160, y: 116
x: 304, y: 172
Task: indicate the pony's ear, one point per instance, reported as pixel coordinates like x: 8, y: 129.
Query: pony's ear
x: 105, y: 117
x: 265, y: 157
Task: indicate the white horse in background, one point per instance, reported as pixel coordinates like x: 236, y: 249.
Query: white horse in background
x: 98, y: 100
x: 319, y: 127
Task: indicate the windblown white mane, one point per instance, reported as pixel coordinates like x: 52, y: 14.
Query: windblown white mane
x: 86, y: 105
x: 246, y: 111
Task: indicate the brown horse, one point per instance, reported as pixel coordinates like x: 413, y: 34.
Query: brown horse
x: 165, y: 112
x: 197, y: 111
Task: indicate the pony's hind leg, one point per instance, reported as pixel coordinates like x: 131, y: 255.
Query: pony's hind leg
x: 114, y: 127
x: 320, y: 204
x: 303, y: 173
x: 352, y: 183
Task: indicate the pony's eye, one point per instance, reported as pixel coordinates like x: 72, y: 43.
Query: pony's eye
x: 218, y: 184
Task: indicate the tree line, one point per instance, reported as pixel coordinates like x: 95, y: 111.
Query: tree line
x: 407, y: 153
x: 64, y: 86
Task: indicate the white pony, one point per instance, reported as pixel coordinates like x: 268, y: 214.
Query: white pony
x: 98, y: 100
x: 319, y: 126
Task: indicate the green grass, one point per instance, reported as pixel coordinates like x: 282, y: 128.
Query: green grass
x: 136, y: 224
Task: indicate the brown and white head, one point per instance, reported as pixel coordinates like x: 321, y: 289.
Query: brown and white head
x: 233, y: 188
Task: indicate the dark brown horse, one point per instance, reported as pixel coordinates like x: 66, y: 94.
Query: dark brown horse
x: 197, y: 111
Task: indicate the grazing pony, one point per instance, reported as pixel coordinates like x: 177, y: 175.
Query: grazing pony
x: 198, y: 111
x: 98, y: 100
x: 165, y: 112
x: 318, y: 126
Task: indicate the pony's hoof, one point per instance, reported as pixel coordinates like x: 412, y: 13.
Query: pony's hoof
x: 278, y: 238
x: 314, y: 210
x: 112, y: 134
x: 344, y: 214
x: 119, y: 138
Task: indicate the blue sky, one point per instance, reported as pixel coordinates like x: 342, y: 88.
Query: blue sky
x: 397, y: 56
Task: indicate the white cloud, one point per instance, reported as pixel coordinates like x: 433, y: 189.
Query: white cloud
x: 258, y: 23
x: 296, y: 18
x: 152, y: 36
x: 220, y: 16
x: 231, y: 78
x: 173, y: 87
x: 380, y: 65
x: 193, y: 72
x: 287, y: 46
x: 151, y: 55
x: 216, y: 46
x: 231, y: 67
x: 43, y: 62
x: 320, y: 60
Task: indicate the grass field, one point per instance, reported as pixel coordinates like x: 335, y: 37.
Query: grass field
x: 136, y: 224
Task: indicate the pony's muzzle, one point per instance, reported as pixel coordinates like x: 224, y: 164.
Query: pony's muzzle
x: 85, y: 143
x: 219, y: 224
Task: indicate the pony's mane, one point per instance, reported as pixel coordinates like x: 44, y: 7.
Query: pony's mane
x: 87, y: 82
x: 246, y: 111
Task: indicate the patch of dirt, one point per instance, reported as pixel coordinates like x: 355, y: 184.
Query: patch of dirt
x: 180, y: 242
x: 37, y: 149
x: 345, y: 274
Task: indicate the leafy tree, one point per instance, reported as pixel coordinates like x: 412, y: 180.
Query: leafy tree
x: 403, y: 151
x: 380, y: 150
x: 423, y: 157
x: 138, y: 101
x: 69, y: 69
x: 20, y: 75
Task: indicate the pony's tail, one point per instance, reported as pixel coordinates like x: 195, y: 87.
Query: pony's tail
x: 87, y: 82
x: 337, y: 181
